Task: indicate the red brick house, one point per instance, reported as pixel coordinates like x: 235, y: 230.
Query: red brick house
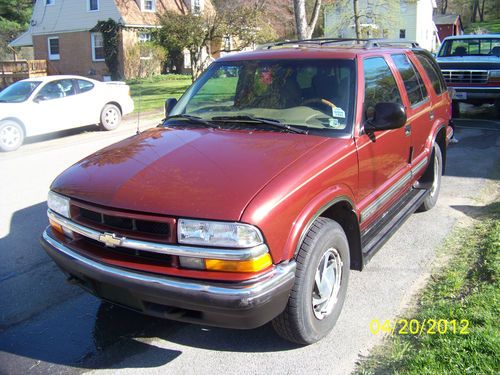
x: 61, y: 30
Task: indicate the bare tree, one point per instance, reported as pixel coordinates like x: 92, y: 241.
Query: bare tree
x: 303, y: 27
x: 356, y: 19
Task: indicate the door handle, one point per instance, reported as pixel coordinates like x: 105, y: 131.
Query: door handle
x: 431, y: 115
x: 408, y: 130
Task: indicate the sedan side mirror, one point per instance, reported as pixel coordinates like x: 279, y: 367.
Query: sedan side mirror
x: 386, y: 116
x: 169, y: 105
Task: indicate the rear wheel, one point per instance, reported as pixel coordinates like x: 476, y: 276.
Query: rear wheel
x: 11, y: 135
x: 437, y: 167
x: 111, y: 117
x: 320, y: 285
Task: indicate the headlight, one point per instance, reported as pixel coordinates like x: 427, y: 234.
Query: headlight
x: 495, y: 73
x: 58, y: 203
x: 216, y: 233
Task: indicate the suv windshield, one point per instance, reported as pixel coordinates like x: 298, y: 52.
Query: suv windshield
x: 18, y: 92
x: 306, y: 94
x: 467, y: 47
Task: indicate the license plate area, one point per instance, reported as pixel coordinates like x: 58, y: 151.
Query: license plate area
x: 460, y: 96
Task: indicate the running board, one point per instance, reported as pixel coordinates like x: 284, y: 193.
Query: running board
x: 374, y: 237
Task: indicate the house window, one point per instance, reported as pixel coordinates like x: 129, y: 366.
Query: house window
x: 144, y: 37
x: 148, y: 5
x: 402, y: 33
x: 196, y: 6
x: 50, y: 2
x: 97, y: 47
x: 53, y: 48
x: 93, y: 5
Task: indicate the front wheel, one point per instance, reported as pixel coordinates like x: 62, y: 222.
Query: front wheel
x: 11, y: 135
x: 432, y: 197
x: 111, y: 117
x: 320, y: 286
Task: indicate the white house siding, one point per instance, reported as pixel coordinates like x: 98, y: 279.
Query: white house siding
x: 70, y: 16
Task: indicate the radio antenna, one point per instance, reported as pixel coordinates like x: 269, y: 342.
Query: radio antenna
x: 138, y: 131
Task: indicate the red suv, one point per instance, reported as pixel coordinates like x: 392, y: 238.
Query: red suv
x: 276, y: 173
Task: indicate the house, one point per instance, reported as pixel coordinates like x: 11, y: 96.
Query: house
x: 61, y: 31
x: 408, y: 20
x: 448, y: 25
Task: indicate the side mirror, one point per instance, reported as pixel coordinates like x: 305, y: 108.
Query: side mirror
x: 169, y: 104
x: 386, y: 116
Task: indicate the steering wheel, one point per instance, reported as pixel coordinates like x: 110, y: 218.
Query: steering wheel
x: 320, y: 101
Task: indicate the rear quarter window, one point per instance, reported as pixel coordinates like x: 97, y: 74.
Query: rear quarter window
x: 84, y: 85
x: 432, y: 72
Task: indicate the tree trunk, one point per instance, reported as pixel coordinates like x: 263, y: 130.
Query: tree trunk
x: 357, y: 27
x: 444, y: 6
x: 475, y: 7
x: 481, y: 11
x: 303, y: 28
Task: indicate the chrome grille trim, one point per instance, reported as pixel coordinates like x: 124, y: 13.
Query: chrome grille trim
x: 160, y: 248
x: 465, y: 76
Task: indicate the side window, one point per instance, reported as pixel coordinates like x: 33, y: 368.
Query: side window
x: 84, y: 86
x: 432, y: 72
x: 380, y: 85
x: 414, y: 85
x: 56, y: 90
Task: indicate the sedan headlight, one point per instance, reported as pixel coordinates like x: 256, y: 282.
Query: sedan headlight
x: 58, y: 203
x: 216, y: 233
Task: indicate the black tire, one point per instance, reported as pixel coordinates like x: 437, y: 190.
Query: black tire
x: 497, y: 107
x: 111, y: 117
x: 11, y: 135
x: 433, y: 194
x: 302, y: 321
x: 455, y: 109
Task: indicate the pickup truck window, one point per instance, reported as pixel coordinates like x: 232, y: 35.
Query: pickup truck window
x: 413, y: 82
x: 469, y: 46
x: 432, y: 72
x: 380, y: 85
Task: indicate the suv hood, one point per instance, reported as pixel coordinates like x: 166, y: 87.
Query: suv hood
x: 202, y: 173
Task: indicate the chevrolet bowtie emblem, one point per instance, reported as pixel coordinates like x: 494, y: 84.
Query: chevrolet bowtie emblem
x: 110, y: 239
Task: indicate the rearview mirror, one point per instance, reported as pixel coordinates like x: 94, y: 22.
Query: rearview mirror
x: 169, y: 105
x: 386, y: 116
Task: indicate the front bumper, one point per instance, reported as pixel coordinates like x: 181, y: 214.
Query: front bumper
x: 241, y: 305
x: 475, y: 93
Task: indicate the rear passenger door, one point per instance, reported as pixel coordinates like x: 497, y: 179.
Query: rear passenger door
x: 383, y: 156
x: 418, y: 111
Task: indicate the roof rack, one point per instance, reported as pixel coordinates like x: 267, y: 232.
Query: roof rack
x: 366, y: 43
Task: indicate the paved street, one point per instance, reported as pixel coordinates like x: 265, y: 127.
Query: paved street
x: 48, y: 326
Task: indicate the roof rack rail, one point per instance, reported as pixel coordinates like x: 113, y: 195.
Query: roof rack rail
x: 367, y: 43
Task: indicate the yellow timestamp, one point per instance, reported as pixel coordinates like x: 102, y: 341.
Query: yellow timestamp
x: 420, y: 327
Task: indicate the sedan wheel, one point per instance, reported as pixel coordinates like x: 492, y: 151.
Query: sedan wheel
x: 110, y: 117
x: 11, y: 136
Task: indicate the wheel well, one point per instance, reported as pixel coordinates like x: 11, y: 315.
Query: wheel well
x: 343, y: 213
x: 17, y: 121
x: 116, y: 104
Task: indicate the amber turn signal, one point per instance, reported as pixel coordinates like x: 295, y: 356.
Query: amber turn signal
x: 251, y: 265
x: 56, y: 226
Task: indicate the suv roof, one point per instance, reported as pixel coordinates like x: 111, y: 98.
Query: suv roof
x: 321, y: 48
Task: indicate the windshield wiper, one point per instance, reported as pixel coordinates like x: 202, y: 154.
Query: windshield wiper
x: 195, y: 119
x: 261, y: 120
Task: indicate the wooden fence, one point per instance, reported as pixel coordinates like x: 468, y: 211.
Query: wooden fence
x: 12, y: 71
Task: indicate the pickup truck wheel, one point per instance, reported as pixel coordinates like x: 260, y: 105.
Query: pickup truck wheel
x: 432, y: 197
x: 320, y: 285
x: 497, y: 107
x: 111, y: 117
x: 455, y: 109
x: 11, y: 135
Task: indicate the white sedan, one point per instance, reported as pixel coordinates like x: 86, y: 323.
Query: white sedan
x: 42, y: 105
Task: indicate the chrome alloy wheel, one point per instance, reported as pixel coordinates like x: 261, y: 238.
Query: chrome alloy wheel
x: 327, y: 283
x: 111, y: 117
x: 10, y: 135
x: 435, y: 183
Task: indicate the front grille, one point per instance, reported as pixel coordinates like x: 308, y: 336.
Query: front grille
x: 466, y: 76
x: 136, y: 226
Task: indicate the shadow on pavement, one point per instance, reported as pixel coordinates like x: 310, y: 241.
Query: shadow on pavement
x: 61, y: 134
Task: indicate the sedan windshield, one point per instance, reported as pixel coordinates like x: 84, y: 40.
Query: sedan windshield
x: 18, y: 92
x: 283, y: 95
x: 468, y: 47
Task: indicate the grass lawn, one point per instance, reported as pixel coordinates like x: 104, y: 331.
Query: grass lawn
x: 492, y: 26
x: 155, y: 90
x: 466, y: 290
